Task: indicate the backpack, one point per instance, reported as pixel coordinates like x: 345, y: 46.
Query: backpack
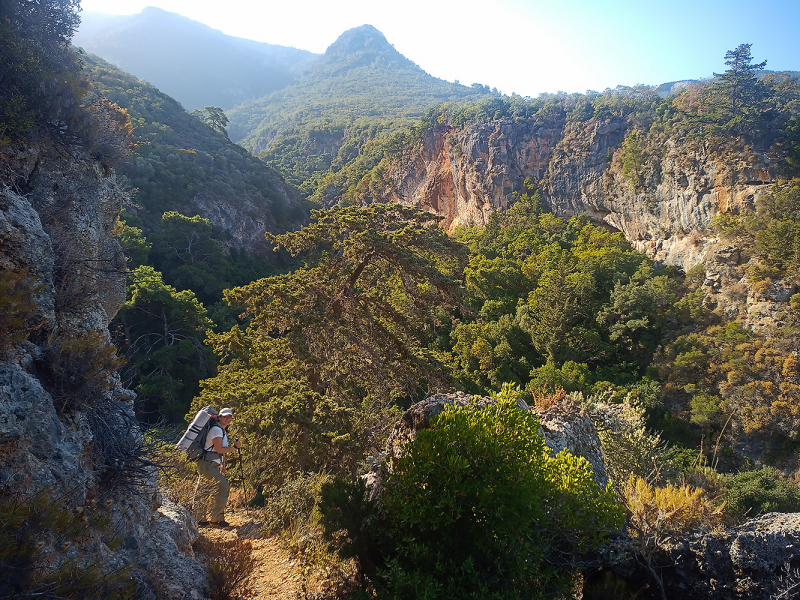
x: 193, y: 441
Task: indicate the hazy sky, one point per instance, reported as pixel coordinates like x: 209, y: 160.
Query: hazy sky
x: 522, y: 46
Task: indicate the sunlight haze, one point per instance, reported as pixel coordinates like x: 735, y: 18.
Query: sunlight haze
x: 524, y: 47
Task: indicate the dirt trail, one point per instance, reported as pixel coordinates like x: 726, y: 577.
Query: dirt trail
x: 275, y: 576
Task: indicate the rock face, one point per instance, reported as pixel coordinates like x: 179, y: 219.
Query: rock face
x: 467, y: 173
x: 563, y: 429
x: 753, y: 560
x: 56, y: 228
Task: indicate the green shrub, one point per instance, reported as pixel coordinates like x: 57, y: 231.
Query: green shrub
x: 752, y: 493
x: 477, y: 508
x: 348, y: 516
x: 292, y: 505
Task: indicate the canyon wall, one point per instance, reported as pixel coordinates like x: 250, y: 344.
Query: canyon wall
x: 467, y: 173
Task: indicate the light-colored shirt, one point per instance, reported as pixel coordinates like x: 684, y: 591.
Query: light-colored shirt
x: 215, y: 432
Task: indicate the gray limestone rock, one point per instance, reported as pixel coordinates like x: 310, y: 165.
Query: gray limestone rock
x: 60, y: 230
x: 752, y: 560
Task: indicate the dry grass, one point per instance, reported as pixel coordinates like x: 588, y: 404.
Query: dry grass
x: 230, y: 564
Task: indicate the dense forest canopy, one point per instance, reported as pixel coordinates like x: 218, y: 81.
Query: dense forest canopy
x: 182, y: 159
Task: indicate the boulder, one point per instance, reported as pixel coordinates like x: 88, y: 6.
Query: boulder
x: 564, y: 427
x: 757, y: 559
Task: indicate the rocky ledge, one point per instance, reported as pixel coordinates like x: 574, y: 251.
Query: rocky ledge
x: 758, y: 559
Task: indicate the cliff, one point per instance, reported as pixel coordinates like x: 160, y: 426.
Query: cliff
x: 70, y: 445
x: 664, y: 206
x: 466, y: 173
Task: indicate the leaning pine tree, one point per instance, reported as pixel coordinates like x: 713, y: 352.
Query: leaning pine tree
x: 331, y: 345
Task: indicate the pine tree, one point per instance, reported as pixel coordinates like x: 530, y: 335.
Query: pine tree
x: 736, y: 99
x: 353, y: 322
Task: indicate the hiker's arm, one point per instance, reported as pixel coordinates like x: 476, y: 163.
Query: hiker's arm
x: 219, y: 449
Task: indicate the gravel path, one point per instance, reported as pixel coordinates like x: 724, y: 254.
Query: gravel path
x: 275, y: 576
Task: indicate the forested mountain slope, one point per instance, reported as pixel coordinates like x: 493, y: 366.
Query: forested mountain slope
x: 182, y: 164
x: 326, y: 122
x: 195, y: 64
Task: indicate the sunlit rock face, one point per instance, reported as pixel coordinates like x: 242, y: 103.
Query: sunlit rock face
x: 665, y: 210
x: 465, y: 174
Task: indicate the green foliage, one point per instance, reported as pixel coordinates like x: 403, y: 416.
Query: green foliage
x: 477, y: 507
x: 291, y: 506
x: 753, y: 493
x: 214, y: 117
x: 706, y: 410
x: 629, y: 447
x: 639, y: 310
x: 134, y: 244
x: 634, y: 158
x: 737, y: 95
x: 331, y: 344
x: 738, y: 102
x: 777, y: 228
x: 187, y: 255
x: 180, y: 161
x: 571, y: 377
x: 161, y: 332
x: 17, y: 305
x: 549, y: 295
x: 41, y: 87
x: 348, y: 514
x: 793, y: 142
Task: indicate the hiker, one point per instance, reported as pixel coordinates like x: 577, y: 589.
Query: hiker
x: 212, y: 465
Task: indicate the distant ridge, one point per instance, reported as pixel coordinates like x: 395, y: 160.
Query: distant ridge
x: 197, y: 65
x: 361, y: 75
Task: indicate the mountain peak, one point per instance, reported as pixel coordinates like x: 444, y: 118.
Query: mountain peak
x: 360, y: 39
x: 363, y: 46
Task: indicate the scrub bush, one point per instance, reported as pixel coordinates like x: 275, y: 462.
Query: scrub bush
x: 752, y: 493
x: 477, y: 508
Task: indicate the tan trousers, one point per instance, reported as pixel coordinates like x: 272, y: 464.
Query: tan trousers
x: 209, y: 469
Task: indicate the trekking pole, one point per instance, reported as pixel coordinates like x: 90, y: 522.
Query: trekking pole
x: 196, y: 487
x: 241, y: 470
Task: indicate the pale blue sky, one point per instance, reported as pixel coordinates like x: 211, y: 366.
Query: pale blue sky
x: 522, y: 46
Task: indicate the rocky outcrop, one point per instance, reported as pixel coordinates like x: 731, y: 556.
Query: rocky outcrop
x: 757, y: 559
x: 467, y: 174
x: 56, y: 233
x: 563, y: 428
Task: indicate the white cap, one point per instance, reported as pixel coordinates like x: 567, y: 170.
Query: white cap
x: 226, y: 412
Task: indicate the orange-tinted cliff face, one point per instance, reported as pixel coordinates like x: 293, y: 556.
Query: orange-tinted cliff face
x: 467, y: 173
